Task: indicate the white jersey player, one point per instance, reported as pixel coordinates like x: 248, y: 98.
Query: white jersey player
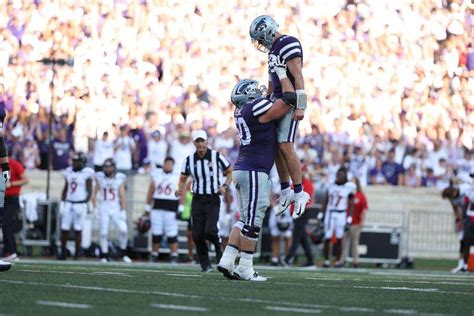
x: 339, y: 201
x: 76, y: 193
x: 110, y: 186
x: 162, y: 205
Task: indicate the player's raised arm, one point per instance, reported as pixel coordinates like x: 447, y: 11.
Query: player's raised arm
x: 288, y: 101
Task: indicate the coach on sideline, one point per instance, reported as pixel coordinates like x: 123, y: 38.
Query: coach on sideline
x: 206, y: 166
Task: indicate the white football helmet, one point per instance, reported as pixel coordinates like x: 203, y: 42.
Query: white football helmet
x: 262, y: 32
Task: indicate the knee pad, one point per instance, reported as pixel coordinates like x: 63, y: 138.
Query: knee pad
x: 172, y: 240
x: 156, y: 239
x: 251, y: 232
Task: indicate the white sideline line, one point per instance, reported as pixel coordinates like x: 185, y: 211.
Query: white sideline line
x: 357, y: 309
x: 180, y: 308
x: 293, y: 310
x: 108, y: 273
x: 184, y: 275
x: 401, y: 311
x: 79, y: 273
x: 396, y: 288
x: 64, y: 304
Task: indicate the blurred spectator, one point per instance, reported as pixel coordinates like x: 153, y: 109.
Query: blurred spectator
x: 157, y: 149
x: 181, y: 148
x: 103, y: 149
x: 376, y: 174
x: 392, y: 171
x: 62, y: 150
x: 429, y: 180
x: 124, y: 147
x: 411, y: 179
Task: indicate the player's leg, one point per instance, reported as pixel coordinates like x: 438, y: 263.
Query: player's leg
x: 120, y: 221
x: 157, y: 231
x: 67, y: 219
x: 80, y: 214
x: 189, y: 236
x: 171, y: 232
x: 227, y: 263
x: 275, y: 234
x: 328, y: 232
x: 4, y: 266
x: 340, y: 219
x: 287, y: 129
x: 104, y: 220
x: 460, y: 234
x: 259, y: 202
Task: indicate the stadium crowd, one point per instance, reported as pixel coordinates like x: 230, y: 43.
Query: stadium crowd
x: 391, y: 83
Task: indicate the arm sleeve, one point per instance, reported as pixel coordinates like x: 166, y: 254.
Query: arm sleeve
x: 223, y: 162
x: 261, y: 107
x: 185, y: 169
x: 292, y: 49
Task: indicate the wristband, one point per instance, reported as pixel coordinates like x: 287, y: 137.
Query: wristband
x: 301, y: 99
x: 147, y: 207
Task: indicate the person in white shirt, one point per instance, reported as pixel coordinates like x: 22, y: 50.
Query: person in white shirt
x: 338, y: 203
x: 157, y: 149
x: 124, y: 147
x: 76, y: 193
x: 110, y: 187
x: 103, y: 149
x: 180, y: 149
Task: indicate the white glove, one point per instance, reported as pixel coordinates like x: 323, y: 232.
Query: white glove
x: 123, y: 215
x: 180, y: 210
x: 320, y: 216
x: 280, y: 68
x: 147, y: 208
x: 6, y: 175
x: 349, y: 220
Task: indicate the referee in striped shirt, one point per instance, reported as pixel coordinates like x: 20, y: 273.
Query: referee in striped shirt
x: 205, y: 166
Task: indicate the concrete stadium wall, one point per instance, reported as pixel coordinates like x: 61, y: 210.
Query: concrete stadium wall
x: 425, y: 218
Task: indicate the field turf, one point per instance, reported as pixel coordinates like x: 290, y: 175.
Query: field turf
x: 85, y: 288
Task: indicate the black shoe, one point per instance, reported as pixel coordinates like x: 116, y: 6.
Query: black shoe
x: 5, y: 266
x: 274, y: 264
x: 207, y: 269
x: 287, y: 261
x: 62, y: 254
x: 79, y: 254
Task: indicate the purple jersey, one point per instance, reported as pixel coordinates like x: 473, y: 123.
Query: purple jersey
x: 287, y: 47
x: 257, y: 140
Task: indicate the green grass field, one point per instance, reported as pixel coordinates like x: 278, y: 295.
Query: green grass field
x: 78, y: 288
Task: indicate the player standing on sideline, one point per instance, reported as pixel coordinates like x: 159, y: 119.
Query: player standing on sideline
x: 4, y: 266
x: 338, y: 203
x: 264, y: 33
x: 110, y: 185
x: 76, y: 194
x: 255, y: 117
x: 162, y: 205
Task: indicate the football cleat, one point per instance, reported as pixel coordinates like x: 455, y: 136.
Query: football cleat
x: 11, y: 258
x: 287, y: 196
x: 104, y: 260
x: 226, y: 269
x: 207, y: 269
x: 301, y: 199
x: 459, y: 268
x: 5, y: 266
x: 126, y: 259
x: 248, y: 274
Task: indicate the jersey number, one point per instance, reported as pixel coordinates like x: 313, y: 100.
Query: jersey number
x: 164, y: 190
x: 244, y: 132
x: 337, y: 198
x: 73, y: 186
x: 109, y: 194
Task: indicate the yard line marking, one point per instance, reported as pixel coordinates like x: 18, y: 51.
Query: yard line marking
x: 401, y: 311
x: 180, y: 308
x: 64, y: 304
x: 396, y: 288
x: 184, y: 275
x: 79, y: 273
x: 326, y: 279
x: 292, y: 310
x: 357, y: 309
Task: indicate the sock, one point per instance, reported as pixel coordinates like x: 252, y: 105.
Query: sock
x: 461, y: 262
x: 298, y: 188
x: 284, y: 185
x: 230, y: 253
x: 246, y: 259
x: 275, y: 259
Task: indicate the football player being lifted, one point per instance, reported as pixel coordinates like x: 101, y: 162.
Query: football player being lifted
x: 338, y: 207
x: 162, y: 206
x: 256, y: 119
x: 110, y: 187
x: 264, y: 34
x: 76, y: 194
